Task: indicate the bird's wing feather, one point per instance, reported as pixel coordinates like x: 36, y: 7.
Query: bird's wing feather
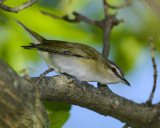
x: 60, y: 47
x: 66, y: 48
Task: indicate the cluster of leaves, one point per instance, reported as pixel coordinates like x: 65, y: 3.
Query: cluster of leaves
x: 58, y: 113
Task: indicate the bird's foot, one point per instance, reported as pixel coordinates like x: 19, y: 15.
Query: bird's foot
x: 75, y: 79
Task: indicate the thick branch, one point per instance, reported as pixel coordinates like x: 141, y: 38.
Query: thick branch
x: 19, y: 105
x: 17, y: 9
x: 17, y: 99
x: 60, y: 89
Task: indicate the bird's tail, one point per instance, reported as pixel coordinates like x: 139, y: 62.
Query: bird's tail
x: 31, y: 46
x: 37, y: 39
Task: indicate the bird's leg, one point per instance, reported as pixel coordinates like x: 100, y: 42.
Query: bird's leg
x: 102, y: 85
x: 68, y: 76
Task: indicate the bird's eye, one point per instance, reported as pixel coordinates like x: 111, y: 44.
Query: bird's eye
x: 114, y: 70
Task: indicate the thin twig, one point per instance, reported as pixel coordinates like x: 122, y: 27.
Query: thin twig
x: 155, y: 71
x: 51, y: 15
x: 17, y: 9
x: 43, y: 74
x: 78, y: 18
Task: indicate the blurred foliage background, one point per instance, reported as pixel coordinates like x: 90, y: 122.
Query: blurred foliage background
x: 128, y: 39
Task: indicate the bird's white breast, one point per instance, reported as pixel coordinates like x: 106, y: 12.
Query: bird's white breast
x: 75, y: 67
x: 70, y: 65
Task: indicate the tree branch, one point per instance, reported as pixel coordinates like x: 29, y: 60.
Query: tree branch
x: 17, y: 9
x: 109, y: 22
x: 155, y: 71
x: 78, y: 18
x: 60, y: 89
x: 19, y: 105
x: 17, y: 98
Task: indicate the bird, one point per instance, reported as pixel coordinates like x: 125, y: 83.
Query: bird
x: 77, y: 60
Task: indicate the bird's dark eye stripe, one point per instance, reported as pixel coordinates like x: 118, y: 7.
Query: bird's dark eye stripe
x: 115, y: 71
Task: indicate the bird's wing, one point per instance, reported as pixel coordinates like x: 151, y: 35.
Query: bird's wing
x: 60, y: 47
x: 66, y: 48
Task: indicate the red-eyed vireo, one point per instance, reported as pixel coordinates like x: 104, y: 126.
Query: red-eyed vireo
x: 77, y: 60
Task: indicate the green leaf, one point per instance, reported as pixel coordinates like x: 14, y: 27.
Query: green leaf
x: 58, y: 113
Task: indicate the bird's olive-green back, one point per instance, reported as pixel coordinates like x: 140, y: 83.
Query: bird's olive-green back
x: 71, y: 49
x: 61, y: 47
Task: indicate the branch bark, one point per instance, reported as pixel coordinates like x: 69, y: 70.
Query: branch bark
x: 19, y: 106
x: 17, y: 98
x: 108, y: 23
x: 100, y: 100
x: 17, y: 9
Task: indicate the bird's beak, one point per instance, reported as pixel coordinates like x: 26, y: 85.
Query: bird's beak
x: 126, y: 82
